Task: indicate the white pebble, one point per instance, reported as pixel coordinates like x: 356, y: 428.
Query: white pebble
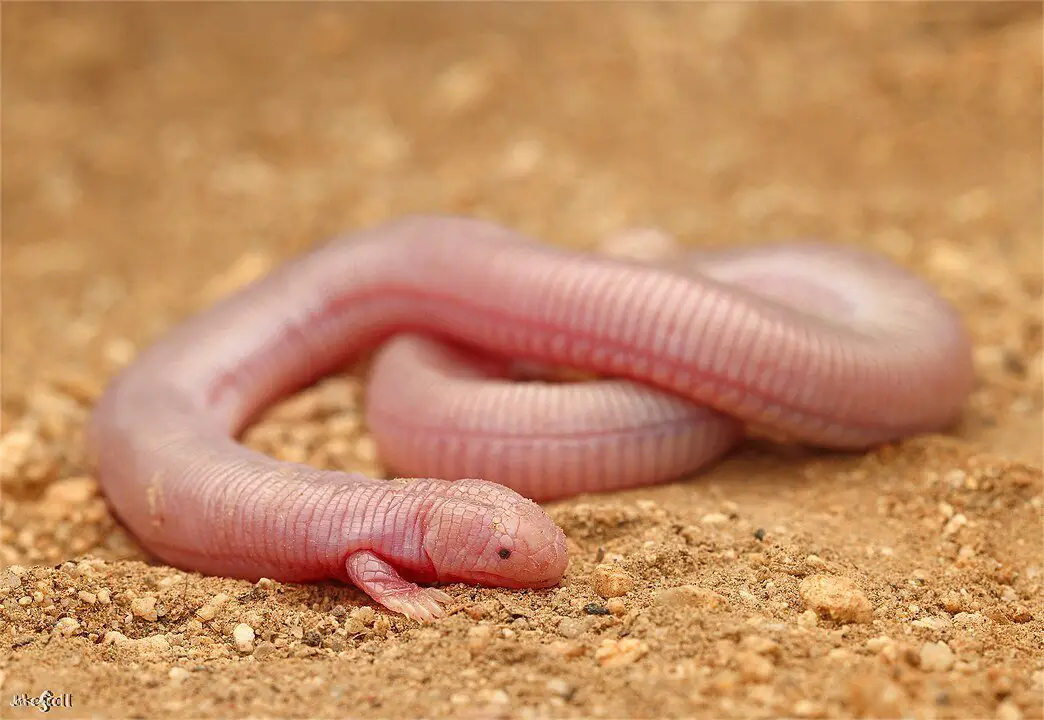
x: 243, y: 636
x: 145, y: 608
x: 67, y: 626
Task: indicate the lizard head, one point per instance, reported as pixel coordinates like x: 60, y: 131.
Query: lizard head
x: 484, y: 533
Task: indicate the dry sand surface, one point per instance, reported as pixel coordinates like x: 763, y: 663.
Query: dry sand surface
x: 157, y: 156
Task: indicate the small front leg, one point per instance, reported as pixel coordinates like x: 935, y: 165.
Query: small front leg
x: 375, y: 577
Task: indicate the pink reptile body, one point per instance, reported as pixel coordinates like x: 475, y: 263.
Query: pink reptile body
x: 829, y: 346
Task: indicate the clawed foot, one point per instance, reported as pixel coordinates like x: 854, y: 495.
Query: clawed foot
x: 374, y: 576
x: 418, y: 603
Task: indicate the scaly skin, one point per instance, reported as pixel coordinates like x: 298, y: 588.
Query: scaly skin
x: 829, y: 346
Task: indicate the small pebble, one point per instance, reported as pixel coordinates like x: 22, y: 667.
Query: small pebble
x: 263, y: 650
x: 67, y: 626
x: 243, y: 637
x: 692, y: 596
x: 572, y: 627
x: 836, y: 597
x: 333, y: 642
x: 595, y: 609
x: 566, y: 649
x: 115, y: 637
x: 815, y: 561
x: 954, y: 524
x: 178, y: 675
x: 381, y: 625
x: 760, y: 645
x: 476, y: 611
x: 714, y: 519
x: 936, y: 657
x: 209, y: 611
x: 1021, y: 614
x: 364, y: 614
x: 354, y: 627
x: 559, y: 687
x: 937, y: 623
x: 617, y: 653
x: 879, y: 643
x: 610, y: 581
x: 206, y: 613
x: 952, y: 602
x: 145, y: 608
x: 479, y: 637
x: 312, y: 639
x: 88, y: 597
x: 754, y: 668
x: 616, y: 606
x: 966, y: 619
x: 156, y: 642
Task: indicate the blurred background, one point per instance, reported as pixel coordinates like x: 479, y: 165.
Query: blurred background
x: 157, y: 155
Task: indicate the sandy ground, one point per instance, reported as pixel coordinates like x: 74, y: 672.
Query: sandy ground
x: 156, y: 157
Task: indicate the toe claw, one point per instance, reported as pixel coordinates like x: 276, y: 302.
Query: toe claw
x: 424, y: 606
x: 440, y: 596
x: 419, y: 610
x: 416, y: 605
x: 432, y: 606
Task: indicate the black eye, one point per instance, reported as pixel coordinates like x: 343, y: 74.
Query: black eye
x: 504, y: 553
